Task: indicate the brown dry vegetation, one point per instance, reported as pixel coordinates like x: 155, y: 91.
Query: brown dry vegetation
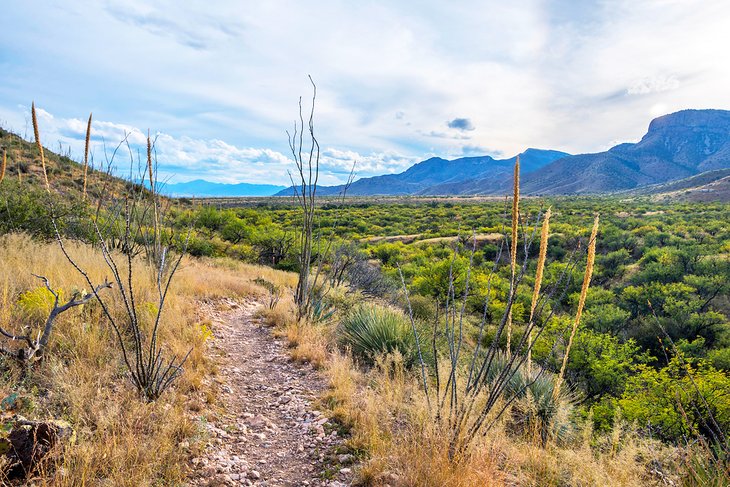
x: 120, y: 439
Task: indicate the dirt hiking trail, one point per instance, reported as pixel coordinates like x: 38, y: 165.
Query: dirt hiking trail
x: 269, y: 432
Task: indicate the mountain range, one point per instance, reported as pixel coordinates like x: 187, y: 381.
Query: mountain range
x: 676, y: 146
x: 201, y: 188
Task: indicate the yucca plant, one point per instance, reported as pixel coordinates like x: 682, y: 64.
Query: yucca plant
x: 372, y: 330
x: 541, y: 412
x: 476, y: 392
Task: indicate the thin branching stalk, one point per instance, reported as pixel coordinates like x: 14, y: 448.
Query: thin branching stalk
x: 418, y: 339
x: 581, y: 303
x: 308, y: 169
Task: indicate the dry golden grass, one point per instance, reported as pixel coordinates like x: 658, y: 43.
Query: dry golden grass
x: 121, y: 440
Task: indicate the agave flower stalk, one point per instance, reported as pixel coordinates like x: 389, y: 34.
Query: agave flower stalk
x: 40, y: 146
x: 513, y: 248
x: 581, y: 302
x: 4, y: 165
x: 544, y: 231
x: 86, y: 153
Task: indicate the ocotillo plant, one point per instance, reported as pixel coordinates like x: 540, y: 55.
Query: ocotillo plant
x: 149, y: 370
x: 513, y: 243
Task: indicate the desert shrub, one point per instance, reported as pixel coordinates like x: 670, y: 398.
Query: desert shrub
x: 720, y: 358
x: 372, y: 330
x: 679, y: 400
x: 369, y: 279
x: 423, y: 308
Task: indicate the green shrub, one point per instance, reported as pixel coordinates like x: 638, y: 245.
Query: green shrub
x: 423, y: 308
x: 680, y: 400
x: 371, y: 330
x: 720, y: 358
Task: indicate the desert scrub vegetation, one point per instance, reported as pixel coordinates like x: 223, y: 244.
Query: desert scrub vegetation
x: 82, y: 378
x: 520, y: 386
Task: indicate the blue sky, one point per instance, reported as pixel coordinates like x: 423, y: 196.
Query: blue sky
x: 219, y: 81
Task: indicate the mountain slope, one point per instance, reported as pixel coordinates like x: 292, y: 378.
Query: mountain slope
x: 676, y: 146
x: 706, y: 186
x: 65, y: 175
x: 441, y: 176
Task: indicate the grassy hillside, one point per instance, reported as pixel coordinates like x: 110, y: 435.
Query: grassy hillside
x: 64, y: 174
x: 81, y: 378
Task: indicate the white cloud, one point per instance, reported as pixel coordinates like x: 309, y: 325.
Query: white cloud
x: 185, y: 158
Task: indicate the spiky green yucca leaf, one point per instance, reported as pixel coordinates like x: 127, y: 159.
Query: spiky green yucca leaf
x: 371, y: 330
x: 536, y: 409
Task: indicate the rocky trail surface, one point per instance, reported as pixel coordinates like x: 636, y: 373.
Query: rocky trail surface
x: 269, y: 432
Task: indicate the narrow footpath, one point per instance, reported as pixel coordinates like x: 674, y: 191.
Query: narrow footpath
x: 269, y: 433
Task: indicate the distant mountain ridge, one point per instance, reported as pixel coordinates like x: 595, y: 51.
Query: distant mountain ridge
x: 676, y: 146
x: 202, y: 188
x: 441, y: 175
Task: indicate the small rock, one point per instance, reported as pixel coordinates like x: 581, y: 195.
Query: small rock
x: 346, y: 459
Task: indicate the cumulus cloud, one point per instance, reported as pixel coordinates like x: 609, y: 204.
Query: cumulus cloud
x: 461, y: 124
x: 185, y: 158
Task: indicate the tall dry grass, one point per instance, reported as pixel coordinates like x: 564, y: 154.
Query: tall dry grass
x: 121, y: 440
x: 399, y: 443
